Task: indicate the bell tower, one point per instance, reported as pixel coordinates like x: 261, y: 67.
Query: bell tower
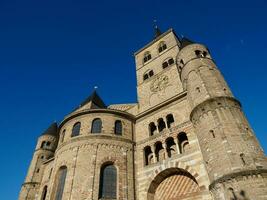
x: 45, y: 149
x: 235, y: 162
x: 157, y: 75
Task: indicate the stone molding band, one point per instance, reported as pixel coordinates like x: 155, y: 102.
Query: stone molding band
x: 89, y: 111
x: 238, y: 174
x: 212, y: 104
x: 30, y: 183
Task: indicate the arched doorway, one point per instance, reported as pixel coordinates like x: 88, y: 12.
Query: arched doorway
x: 173, y: 184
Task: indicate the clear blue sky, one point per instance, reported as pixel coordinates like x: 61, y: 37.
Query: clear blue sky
x: 52, y: 54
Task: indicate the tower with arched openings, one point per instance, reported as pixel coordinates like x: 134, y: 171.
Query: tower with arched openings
x: 186, y: 138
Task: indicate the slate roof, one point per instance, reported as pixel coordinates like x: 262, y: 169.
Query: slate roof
x: 185, y: 42
x: 52, y: 130
x: 95, y: 99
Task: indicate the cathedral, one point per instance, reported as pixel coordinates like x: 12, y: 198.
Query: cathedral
x: 186, y: 138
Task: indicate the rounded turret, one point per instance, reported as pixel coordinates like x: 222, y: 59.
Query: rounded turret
x: 92, y: 139
x: 229, y: 147
x: 45, y: 149
x: 199, y: 74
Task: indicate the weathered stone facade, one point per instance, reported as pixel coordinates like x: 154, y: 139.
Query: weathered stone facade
x: 186, y: 138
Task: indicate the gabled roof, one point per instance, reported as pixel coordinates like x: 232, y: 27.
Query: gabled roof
x: 52, y: 130
x: 185, y: 42
x: 94, y: 100
x: 153, y: 41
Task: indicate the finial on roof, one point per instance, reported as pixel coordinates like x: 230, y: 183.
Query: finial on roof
x: 95, y: 99
x: 95, y: 87
x: 156, y: 29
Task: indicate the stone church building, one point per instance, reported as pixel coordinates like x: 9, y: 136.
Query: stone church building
x: 186, y: 138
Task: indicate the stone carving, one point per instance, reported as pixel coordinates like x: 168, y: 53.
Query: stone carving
x: 159, y: 83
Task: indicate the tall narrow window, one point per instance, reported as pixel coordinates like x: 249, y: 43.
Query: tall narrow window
x: 108, y: 182
x: 96, y: 126
x: 171, y: 147
x: 60, y: 182
x: 63, y: 135
x: 170, y: 120
x: 44, y: 193
x: 76, y: 129
x: 148, y: 155
x: 159, y: 151
x: 118, y: 127
x: 152, y: 128
x: 161, y: 125
x: 183, y: 142
x: 43, y: 144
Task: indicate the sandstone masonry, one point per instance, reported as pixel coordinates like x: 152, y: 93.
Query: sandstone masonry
x: 187, y: 138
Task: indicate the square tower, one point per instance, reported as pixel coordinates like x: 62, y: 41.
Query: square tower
x: 157, y: 75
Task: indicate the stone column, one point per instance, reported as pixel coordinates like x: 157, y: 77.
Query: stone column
x: 177, y: 146
x: 154, y: 155
x: 165, y: 150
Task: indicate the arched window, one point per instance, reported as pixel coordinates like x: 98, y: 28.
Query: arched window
x: 63, y: 135
x: 167, y: 63
x: 198, y: 53
x: 148, y: 74
x: 201, y: 54
x: 183, y: 142
x: 170, y: 120
x: 118, y: 127
x: 60, y: 182
x: 43, y: 144
x: 108, y: 182
x: 171, y: 147
x: 43, y: 197
x: 152, y: 128
x: 162, y: 47
x: 161, y: 125
x: 147, y: 57
x: 96, y: 126
x: 76, y: 129
x: 148, y: 155
x: 159, y: 151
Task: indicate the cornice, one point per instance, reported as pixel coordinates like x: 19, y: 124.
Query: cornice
x: 101, y: 137
x: 90, y: 111
x: 208, y: 105
x: 230, y: 176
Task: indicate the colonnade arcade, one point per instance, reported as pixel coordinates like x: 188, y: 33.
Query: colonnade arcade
x: 162, y: 150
